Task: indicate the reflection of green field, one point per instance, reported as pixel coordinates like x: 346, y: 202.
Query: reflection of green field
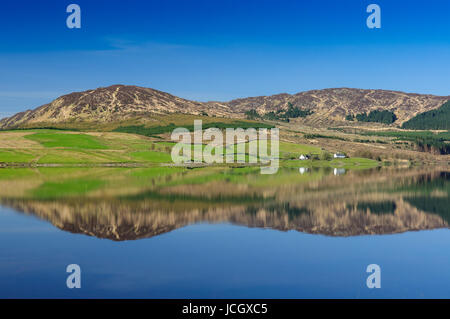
x: 151, y: 156
x: 246, y: 175
x: 57, y: 182
x: 16, y: 173
x: 347, y: 163
x: 66, y: 188
x: 284, y: 177
x: 151, y: 172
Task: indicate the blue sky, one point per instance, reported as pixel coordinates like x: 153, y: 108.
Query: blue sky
x: 220, y: 49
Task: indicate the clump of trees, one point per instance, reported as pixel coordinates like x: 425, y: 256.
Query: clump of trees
x: 367, y: 154
x: 434, y: 146
x: 325, y: 156
x: 350, y: 117
x: 279, y: 115
x: 386, y: 117
x: 294, y: 112
x: 252, y: 115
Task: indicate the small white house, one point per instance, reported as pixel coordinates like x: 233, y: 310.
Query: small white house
x: 303, y: 157
x: 339, y: 155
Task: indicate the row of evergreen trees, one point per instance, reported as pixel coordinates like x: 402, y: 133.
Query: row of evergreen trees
x: 280, y: 115
x: 438, y: 119
x: 386, y: 117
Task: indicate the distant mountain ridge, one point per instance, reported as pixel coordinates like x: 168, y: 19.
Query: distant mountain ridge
x: 331, y: 105
x: 121, y: 102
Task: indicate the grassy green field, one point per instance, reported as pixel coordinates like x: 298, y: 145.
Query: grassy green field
x: 65, y: 147
x: 60, y: 139
x: 58, y: 147
x: 14, y: 156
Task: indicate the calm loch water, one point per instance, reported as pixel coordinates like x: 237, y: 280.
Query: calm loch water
x: 219, y: 233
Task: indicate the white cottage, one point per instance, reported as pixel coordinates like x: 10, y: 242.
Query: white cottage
x: 339, y: 155
x: 303, y: 157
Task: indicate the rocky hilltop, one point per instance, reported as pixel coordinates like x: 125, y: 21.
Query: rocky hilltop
x: 335, y: 104
x: 121, y: 102
x: 109, y: 104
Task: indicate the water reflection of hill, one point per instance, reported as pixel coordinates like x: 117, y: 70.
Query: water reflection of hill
x: 380, y: 202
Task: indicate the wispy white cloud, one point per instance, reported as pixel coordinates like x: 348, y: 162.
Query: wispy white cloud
x: 122, y: 43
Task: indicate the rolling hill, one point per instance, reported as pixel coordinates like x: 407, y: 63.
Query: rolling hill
x: 119, y: 103
x: 104, y: 105
x: 331, y: 106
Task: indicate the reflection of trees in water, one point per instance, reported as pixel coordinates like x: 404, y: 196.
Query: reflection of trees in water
x: 283, y: 209
x: 428, y: 183
x: 383, y: 207
x: 439, y: 206
x: 354, y: 204
x: 429, y: 193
